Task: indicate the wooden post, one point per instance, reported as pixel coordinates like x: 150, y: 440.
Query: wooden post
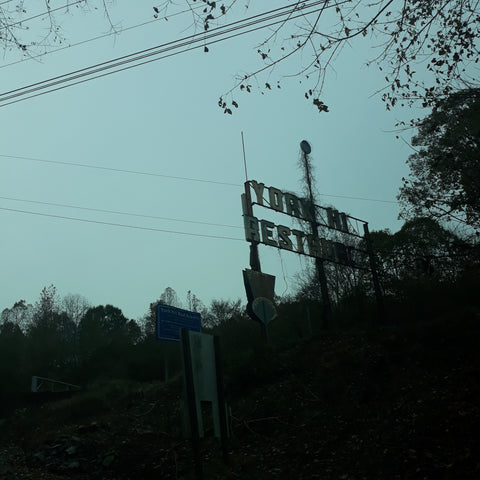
x: 327, y: 307
x: 309, y: 322
x: 165, y: 365
x: 192, y: 407
x: 221, y: 400
x: 373, y: 268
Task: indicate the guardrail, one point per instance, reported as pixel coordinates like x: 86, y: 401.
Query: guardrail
x: 42, y: 384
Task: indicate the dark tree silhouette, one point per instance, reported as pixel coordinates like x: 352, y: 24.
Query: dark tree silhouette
x: 444, y: 181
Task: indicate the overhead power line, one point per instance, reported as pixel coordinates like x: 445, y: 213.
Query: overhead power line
x: 120, y: 224
x: 174, y: 44
x: 358, y: 198
x: 189, y: 179
x: 121, y: 170
x: 116, y: 212
x: 99, y: 37
x: 191, y: 42
x: 48, y: 12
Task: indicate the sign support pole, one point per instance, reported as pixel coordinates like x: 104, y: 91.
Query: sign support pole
x: 327, y: 308
x: 322, y: 278
x: 221, y: 399
x: 254, y: 257
x: 192, y: 408
x: 373, y: 268
x: 165, y: 365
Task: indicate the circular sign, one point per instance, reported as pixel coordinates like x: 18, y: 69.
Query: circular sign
x: 305, y: 146
x: 264, y: 309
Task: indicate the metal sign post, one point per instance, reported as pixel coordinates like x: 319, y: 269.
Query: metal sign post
x: 322, y: 279
x: 203, y: 381
x: 191, y: 402
x: 254, y: 258
x: 376, y: 282
x: 255, y: 267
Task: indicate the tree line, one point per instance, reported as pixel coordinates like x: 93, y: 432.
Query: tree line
x: 70, y: 340
x: 436, y: 250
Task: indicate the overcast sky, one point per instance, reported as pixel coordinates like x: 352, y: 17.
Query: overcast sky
x: 162, y: 118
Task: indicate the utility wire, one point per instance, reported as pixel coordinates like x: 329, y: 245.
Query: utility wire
x: 161, y: 49
x: 238, y: 24
x: 190, y: 179
x: 133, y: 172
x: 120, y: 224
x: 184, y: 41
x: 99, y: 37
x: 118, y: 212
x: 358, y: 198
x: 48, y: 12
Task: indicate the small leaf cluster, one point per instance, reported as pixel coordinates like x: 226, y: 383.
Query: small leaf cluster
x: 226, y: 109
x: 320, y: 105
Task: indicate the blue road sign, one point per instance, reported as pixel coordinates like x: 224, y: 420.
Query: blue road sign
x: 171, y: 319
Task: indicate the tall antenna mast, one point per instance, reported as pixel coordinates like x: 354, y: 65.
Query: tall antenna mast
x: 244, y: 159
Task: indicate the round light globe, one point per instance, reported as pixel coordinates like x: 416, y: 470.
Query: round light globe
x: 305, y: 146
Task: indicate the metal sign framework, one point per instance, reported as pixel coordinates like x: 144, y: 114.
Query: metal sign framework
x: 283, y: 237
x: 309, y: 244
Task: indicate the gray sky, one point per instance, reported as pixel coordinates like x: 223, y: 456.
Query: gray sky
x: 163, y: 119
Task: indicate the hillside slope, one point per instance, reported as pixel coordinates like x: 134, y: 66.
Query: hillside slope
x: 395, y: 402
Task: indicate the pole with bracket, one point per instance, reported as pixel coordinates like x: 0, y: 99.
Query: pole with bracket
x: 254, y: 257
x: 254, y: 261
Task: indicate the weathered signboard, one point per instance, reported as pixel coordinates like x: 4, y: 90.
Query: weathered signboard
x: 295, y: 240
x: 332, y: 246
x: 170, y: 320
